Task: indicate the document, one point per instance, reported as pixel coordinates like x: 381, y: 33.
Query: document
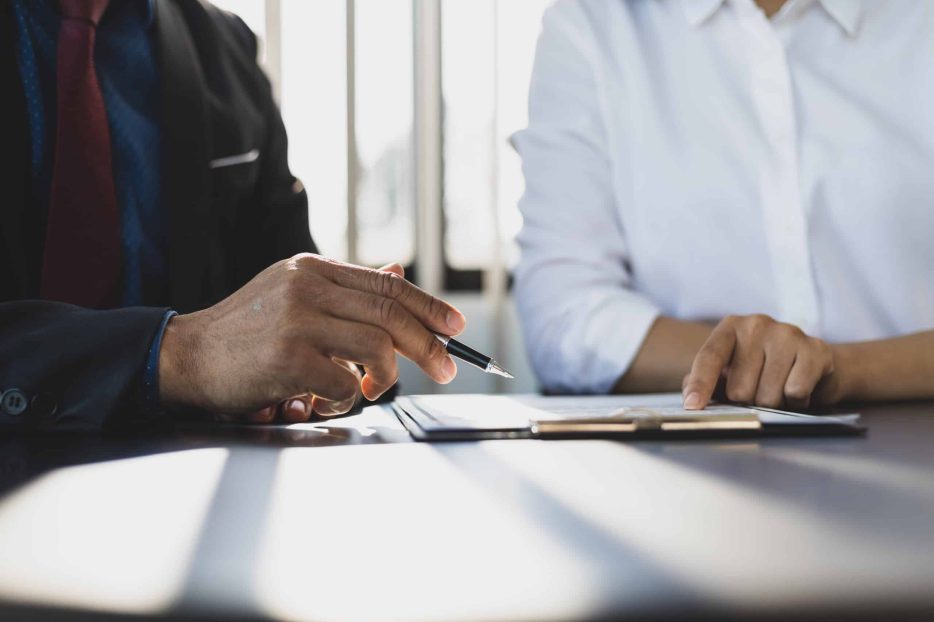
x: 496, y: 411
x: 452, y: 417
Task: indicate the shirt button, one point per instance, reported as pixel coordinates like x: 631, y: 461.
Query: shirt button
x: 14, y: 402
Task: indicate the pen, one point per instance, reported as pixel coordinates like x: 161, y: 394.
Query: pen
x: 457, y: 349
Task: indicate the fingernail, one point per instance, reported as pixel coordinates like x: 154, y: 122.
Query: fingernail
x: 693, y: 401
x: 448, y: 369
x: 456, y: 320
x: 297, y: 405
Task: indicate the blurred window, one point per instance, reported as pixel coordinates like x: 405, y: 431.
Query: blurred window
x: 314, y: 109
x: 488, y: 47
x: 384, y: 132
x: 488, y: 50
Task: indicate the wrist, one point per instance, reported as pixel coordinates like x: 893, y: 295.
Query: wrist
x: 177, y: 354
x: 849, y: 381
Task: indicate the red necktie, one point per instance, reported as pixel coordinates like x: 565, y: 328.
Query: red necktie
x: 81, y: 262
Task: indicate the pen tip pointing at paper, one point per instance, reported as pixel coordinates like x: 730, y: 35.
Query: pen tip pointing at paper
x: 496, y: 369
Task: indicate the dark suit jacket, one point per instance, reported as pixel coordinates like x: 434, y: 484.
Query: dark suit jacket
x: 80, y: 369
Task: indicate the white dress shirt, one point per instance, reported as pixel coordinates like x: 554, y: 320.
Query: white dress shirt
x: 694, y: 159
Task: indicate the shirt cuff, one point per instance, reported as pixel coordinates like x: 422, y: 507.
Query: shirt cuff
x: 150, y: 389
x: 616, y: 337
x: 598, y: 345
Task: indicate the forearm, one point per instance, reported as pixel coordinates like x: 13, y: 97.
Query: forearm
x: 889, y: 369
x: 665, y: 357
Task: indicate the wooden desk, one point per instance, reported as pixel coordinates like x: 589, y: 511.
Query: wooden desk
x: 351, y: 521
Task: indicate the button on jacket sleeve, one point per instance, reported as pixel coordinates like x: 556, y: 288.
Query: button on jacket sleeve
x: 90, y: 380
x: 582, y: 322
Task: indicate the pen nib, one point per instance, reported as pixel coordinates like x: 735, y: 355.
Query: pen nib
x: 499, y: 371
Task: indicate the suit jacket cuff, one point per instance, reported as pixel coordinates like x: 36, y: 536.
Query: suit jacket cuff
x: 150, y: 389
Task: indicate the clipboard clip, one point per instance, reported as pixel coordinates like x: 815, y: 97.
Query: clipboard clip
x: 647, y: 420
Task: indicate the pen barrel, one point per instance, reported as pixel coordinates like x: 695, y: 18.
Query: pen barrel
x: 465, y: 353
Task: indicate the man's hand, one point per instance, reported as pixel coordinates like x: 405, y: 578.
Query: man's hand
x: 300, y: 408
x: 294, y: 333
x: 762, y: 362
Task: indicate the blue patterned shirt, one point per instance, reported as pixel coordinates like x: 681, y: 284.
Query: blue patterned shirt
x: 129, y: 78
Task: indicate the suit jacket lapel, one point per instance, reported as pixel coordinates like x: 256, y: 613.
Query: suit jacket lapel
x: 186, y: 149
x: 17, y: 227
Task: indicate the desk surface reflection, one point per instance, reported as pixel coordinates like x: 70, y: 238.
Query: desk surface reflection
x: 348, y: 519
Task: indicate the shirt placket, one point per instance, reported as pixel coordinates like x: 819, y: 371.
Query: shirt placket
x: 779, y: 184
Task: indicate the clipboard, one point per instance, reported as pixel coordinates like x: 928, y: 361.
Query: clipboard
x: 481, y: 417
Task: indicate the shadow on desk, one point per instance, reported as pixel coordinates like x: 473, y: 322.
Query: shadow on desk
x: 653, y: 530
x: 25, y: 457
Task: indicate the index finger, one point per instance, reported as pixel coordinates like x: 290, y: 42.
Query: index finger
x: 434, y: 313
x: 713, y: 356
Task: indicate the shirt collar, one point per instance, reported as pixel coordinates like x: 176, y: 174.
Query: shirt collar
x: 699, y: 11
x: 846, y: 13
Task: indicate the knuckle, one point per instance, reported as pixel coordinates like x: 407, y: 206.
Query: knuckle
x: 729, y: 321
x: 299, y: 286
x: 789, y: 331
x: 292, y: 287
x: 820, y: 347
x: 435, y: 308
x: 319, y: 294
x: 757, y: 325
x: 303, y: 263
x: 304, y: 259
x: 761, y: 319
x: 389, y: 311
x: 389, y: 284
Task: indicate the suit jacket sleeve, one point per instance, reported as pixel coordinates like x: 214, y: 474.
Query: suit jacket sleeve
x: 77, y: 369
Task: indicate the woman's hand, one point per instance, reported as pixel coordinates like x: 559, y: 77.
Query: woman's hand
x: 763, y: 362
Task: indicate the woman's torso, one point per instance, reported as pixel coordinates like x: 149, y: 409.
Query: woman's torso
x: 782, y: 167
